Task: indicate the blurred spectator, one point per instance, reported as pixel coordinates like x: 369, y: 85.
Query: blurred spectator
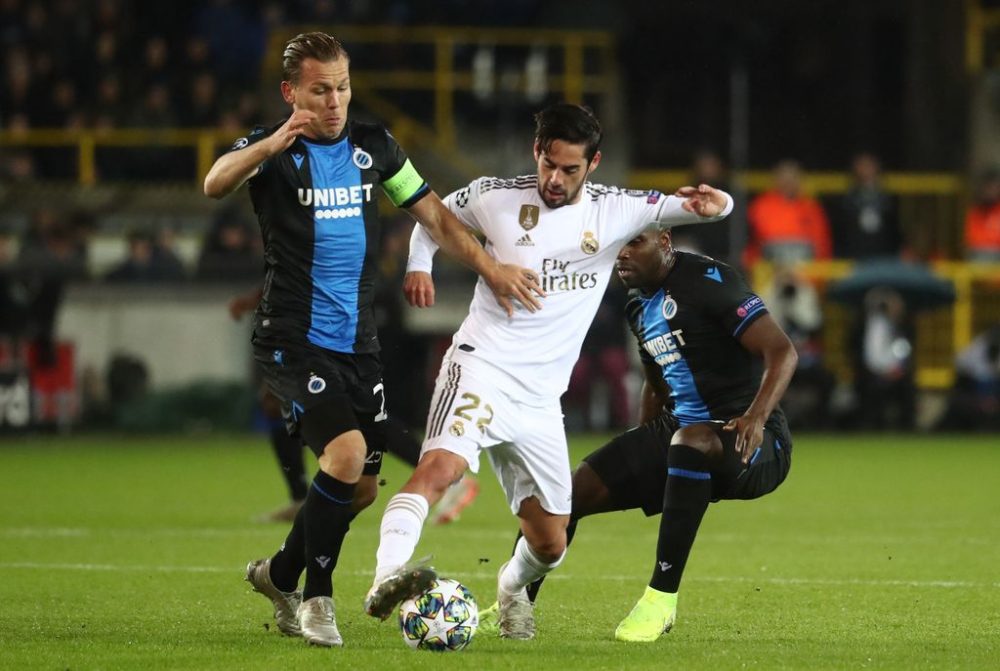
x: 231, y: 251
x: 107, y: 110
x: 982, y: 222
x: 884, y: 370
x: 709, y: 240
x: 235, y: 37
x: 786, y: 225
x: 50, y: 256
x: 974, y: 403
x: 795, y: 305
x: 146, y: 262
x: 866, y: 224
x: 201, y: 106
x: 604, y: 361
x: 156, y: 110
x: 155, y: 68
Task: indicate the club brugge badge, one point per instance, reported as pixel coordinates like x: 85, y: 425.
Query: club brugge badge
x: 362, y: 159
x: 528, y: 216
x: 669, y: 307
x: 589, y: 244
x: 316, y: 384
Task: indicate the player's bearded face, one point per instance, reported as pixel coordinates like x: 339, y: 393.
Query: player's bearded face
x: 562, y: 171
x: 325, y: 90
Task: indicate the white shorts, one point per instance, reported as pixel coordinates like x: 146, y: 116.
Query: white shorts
x: 526, y: 444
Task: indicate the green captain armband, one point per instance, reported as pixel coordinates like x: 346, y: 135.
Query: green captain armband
x: 403, y: 185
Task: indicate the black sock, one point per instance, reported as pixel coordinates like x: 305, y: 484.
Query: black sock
x: 687, y: 495
x: 326, y: 518
x: 537, y: 585
x: 288, y: 450
x: 401, y: 442
x: 288, y: 562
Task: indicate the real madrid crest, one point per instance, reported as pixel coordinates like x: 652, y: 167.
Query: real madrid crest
x: 669, y: 307
x: 457, y: 429
x: 589, y: 244
x: 528, y: 217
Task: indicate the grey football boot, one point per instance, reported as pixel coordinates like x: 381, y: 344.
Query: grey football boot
x: 516, y: 616
x: 319, y: 623
x: 286, y: 604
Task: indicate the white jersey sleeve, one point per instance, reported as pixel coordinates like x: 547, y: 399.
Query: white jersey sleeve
x: 672, y: 212
x: 464, y: 204
x: 630, y: 211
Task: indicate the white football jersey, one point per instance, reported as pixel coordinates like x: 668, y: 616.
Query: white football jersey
x: 573, y: 250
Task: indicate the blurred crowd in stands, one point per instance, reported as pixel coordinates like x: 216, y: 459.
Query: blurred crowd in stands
x: 103, y: 64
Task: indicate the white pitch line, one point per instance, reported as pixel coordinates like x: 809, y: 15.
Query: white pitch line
x: 270, y: 530
x: 835, y: 582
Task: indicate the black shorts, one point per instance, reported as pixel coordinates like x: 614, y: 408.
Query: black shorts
x: 633, y: 466
x: 324, y: 394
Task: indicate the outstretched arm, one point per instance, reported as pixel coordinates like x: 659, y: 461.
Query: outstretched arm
x: 508, y: 282
x: 695, y: 204
x: 764, y: 338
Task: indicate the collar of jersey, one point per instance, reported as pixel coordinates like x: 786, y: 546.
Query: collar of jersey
x: 340, y: 138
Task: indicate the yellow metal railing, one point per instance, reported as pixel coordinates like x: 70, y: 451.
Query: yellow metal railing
x: 941, y: 333
x: 205, y: 142
x: 980, y: 22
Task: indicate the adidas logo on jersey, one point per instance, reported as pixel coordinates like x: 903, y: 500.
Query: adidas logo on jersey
x: 524, y: 241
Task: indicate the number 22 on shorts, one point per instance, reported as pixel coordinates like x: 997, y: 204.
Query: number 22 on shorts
x: 485, y: 414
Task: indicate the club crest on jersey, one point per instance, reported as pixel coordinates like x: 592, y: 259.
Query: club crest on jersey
x: 528, y: 216
x: 589, y: 244
x: 316, y: 384
x: 457, y: 429
x: 669, y: 307
x: 362, y: 159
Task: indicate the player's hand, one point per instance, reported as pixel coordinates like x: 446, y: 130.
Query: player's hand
x: 283, y: 138
x: 514, y: 282
x: 418, y: 287
x: 749, y: 434
x: 702, y: 200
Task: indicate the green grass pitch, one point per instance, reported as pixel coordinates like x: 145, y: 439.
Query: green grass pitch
x: 877, y: 552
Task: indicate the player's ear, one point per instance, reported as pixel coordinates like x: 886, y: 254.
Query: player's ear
x: 538, y: 150
x: 594, y: 162
x: 288, y: 92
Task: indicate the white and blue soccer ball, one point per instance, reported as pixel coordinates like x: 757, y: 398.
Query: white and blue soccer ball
x: 443, y: 618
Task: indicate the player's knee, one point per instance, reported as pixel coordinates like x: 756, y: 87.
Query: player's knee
x: 701, y: 437
x: 344, y: 456
x: 549, y: 549
x: 437, y: 470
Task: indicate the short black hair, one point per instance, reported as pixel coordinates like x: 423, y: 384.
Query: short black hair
x: 570, y: 123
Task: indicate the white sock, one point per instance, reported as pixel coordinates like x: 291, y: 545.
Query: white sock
x: 524, y: 568
x: 400, y: 531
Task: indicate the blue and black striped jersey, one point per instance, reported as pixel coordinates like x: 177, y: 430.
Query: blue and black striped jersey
x: 690, y: 328
x: 318, y: 213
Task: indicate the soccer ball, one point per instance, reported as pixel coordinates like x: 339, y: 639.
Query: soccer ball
x: 443, y: 618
